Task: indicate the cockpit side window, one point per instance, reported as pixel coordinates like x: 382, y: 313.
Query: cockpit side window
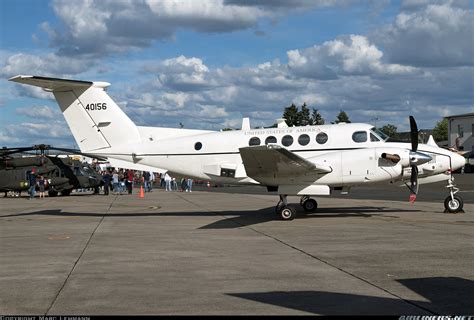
x: 373, y: 137
x: 378, y: 134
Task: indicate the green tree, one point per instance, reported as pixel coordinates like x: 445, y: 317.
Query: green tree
x: 303, y: 116
x: 316, y: 118
x: 291, y: 115
x: 440, y: 131
x: 342, y: 117
x: 390, y: 130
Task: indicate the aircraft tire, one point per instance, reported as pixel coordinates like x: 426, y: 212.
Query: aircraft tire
x: 52, y: 193
x: 310, y: 205
x: 288, y: 213
x: 453, y: 206
x: 66, y: 192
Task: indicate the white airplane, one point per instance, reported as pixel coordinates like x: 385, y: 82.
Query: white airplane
x: 304, y: 161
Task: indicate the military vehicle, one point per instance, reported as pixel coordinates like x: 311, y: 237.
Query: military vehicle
x: 63, y: 174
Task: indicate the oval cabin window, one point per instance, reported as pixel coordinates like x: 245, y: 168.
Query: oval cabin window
x: 321, y: 138
x: 303, y: 139
x: 287, y: 141
x: 198, y: 146
x: 254, y: 141
x: 270, y: 139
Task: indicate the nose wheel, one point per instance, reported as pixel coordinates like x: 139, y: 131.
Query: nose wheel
x: 453, y: 203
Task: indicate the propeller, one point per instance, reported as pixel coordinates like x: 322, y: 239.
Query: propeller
x: 416, y: 159
x: 413, y: 134
x: 414, y: 168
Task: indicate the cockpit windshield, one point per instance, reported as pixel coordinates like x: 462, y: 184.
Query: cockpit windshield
x: 379, y: 134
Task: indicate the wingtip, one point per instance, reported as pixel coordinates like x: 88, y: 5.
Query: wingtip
x: 20, y: 76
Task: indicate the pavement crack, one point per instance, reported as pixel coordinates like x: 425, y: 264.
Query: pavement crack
x: 80, y: 256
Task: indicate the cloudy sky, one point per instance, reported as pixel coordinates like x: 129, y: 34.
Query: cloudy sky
x: 207, y: 64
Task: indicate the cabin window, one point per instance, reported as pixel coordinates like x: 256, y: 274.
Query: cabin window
x: 359, y: 136
x: 287, y: 140
x: 303, y: 139
x: 321, y: 138
x: 198, y: 146
x: 270, y: 139
x: 255, y: 141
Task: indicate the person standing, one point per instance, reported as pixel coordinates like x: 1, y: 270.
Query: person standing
x: 32, y: 181
x: 130, y: 176
x: 152, y: 179
x: 146, y: 180
x: 41, y: 184
x: 183, y: 185
x: 167, y: 181
x: 190, y: 185
x: 106, y: 179
x: 116, y: 182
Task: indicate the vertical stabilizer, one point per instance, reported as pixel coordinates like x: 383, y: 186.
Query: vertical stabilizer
x: 95, y: 120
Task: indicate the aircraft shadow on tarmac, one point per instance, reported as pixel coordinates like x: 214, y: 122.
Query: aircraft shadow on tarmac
x: 233, y: 219
x: 446, y: 295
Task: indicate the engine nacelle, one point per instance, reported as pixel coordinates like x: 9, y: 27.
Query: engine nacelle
x: 404, y: 157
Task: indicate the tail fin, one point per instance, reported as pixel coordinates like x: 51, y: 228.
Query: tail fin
x: 95, y: 120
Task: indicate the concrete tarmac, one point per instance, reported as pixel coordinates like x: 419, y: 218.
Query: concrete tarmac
x: 206, y: 253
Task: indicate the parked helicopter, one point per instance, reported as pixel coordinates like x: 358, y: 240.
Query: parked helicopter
x: 63, y: 174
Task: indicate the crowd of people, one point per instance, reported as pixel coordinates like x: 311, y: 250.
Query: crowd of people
x: 115, y: 181
x: 122, y: 181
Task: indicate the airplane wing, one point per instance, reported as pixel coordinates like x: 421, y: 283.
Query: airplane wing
x: 275, y: 165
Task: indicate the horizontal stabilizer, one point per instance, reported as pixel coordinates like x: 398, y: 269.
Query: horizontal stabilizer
x: 50, y: 84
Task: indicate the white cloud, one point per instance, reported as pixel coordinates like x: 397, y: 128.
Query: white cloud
x: 106, y: 26
x: 437, y: 36
x: 39, y: 112
x: 48, y: 64
x: 212, y: 112
x: 183, y: 73
x: 346, y: 55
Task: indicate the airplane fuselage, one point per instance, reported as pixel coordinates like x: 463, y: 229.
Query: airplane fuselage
x: 352, y: 151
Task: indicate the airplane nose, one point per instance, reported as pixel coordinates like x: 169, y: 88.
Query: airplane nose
x: 457, y: 161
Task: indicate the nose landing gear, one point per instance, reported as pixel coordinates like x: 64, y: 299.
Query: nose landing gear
x: 453, y: 203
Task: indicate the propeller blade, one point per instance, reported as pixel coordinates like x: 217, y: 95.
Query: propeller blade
x: 413, y: 183
x: 413, y: 134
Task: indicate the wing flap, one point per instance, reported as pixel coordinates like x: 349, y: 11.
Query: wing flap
x: 273, y: 164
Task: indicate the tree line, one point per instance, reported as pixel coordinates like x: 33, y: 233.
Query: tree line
x: 303, y: 116
x: 296, y: 117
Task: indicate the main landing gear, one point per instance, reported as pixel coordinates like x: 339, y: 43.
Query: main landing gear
x: 288, y: 212
x: 453, y: 203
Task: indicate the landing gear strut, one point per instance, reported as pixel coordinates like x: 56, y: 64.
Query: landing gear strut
x: 284, y: 210
x: 453, y: 203
x: 308, y: 204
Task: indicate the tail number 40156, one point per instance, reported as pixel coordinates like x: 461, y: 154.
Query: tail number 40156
x: 96, y: 106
